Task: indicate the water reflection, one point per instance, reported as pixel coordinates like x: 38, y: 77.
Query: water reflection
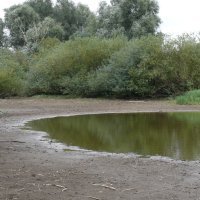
x: 175, y: 135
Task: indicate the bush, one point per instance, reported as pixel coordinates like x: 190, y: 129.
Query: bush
x: 12, y: 68
x: 10, y: 84
x: 150, y: 67
x: 76, y: 85
x: 77, y: 56
x: 147, y: 67
x: 99, y: 83
x: 127, y: 73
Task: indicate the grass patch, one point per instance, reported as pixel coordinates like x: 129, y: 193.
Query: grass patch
x: 189, y: 98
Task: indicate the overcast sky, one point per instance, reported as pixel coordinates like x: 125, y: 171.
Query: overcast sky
x: 178, y: 16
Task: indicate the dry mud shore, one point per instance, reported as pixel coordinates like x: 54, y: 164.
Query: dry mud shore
x: 32, y: 168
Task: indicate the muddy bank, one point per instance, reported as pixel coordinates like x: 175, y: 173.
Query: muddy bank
x: 31, y: 167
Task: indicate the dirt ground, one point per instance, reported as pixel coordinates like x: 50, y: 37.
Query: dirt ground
x: 33, y: 168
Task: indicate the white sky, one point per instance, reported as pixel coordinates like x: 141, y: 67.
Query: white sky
x: 178, y: 16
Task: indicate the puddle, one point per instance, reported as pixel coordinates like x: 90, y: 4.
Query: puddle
x: 175, y: 135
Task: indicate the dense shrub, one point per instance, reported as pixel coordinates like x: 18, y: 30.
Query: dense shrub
x: 186, y: 60
x: 149, y: 67
x: 129, y: 71
x: 155, y: 73
x: 12, y: 68
x: 56, y: 71
x: 152, y: 66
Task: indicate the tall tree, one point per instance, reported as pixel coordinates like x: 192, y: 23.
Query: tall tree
x: 47, y: 28
x: 1, y: 32
x: 83, y: 14
x: 139, y: 17
x: 134, y: 18
x: 85, y: 21
x: 109, y: 20
x: 43, y: 7
x: 65, y: 13
x: 18, y: 19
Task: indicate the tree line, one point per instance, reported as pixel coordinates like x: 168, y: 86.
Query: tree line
x: 34, y: 20
x: 65, y: 49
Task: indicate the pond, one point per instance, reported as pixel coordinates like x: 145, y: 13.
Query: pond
x: 175, y: 135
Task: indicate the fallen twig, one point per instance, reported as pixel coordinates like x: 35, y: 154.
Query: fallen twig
x: 40, y: 175
x: 60, y: 186
x: 90, y: 197
x: 13, y: 141
x: 48, y: 184
x: 33, y: 184
x: 105, y: 186
x: 64, y: 189
x: 20, y: 190
x: 128, y: 189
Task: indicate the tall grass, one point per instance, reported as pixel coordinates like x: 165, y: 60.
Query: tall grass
x: 189, y: 98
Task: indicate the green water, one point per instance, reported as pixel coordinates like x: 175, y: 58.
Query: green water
x: 175, y: 135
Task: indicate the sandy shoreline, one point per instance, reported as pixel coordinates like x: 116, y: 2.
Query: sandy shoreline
x: 33, y: 168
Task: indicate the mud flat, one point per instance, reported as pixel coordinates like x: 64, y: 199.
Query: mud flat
x: 32, y: 167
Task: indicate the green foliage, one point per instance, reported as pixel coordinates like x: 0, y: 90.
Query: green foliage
x: 149, y: 67
x: 47, y: 45
x: 191, y: 97
x: 43, y: 7
x: 9, y: 83
x: 133, y: 18
x: 34, y: 20
x: 83, y: 13
x: 74, y: 19
x: 139, y: 17
x: 65, y: 13
x: 122, y: 76
x: 47, y: 28
x: 152, y: 74
x: 90, y: 64
x: 18, y: 19
x: 1, y: 32
x: 12, y: 67
x: 100, y: 83
x: 76, y: 85
x: 59, y: 69
x: 187, y: 60
x: 86, y: 22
